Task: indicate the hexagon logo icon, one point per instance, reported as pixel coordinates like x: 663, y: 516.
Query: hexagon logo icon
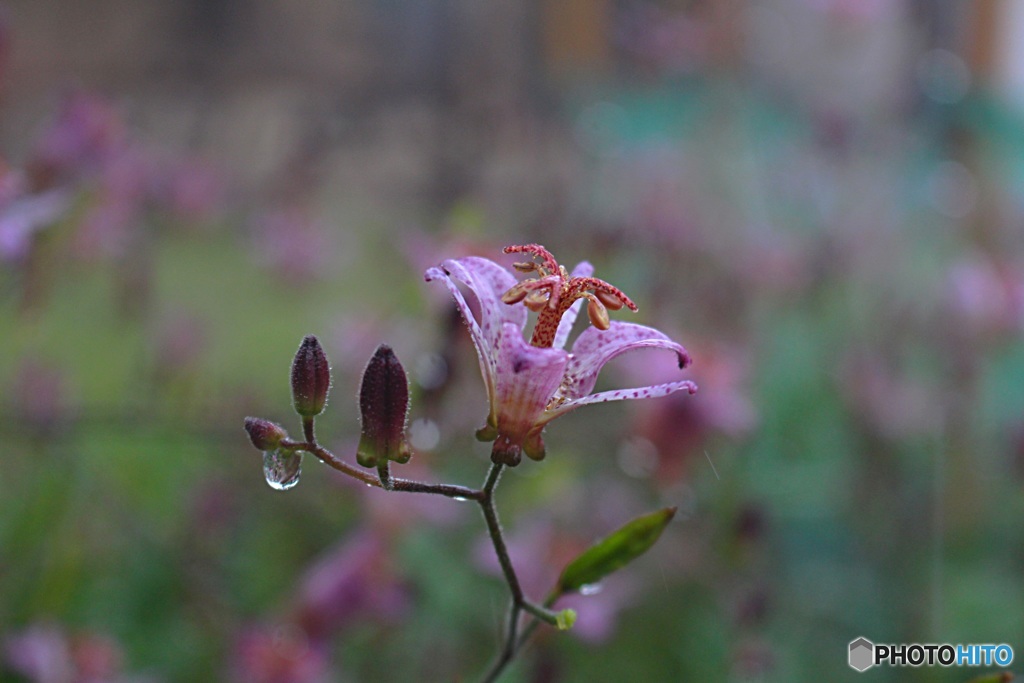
x: 862, y: 654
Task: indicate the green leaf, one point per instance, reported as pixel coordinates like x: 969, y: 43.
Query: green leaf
x: 614, y: 551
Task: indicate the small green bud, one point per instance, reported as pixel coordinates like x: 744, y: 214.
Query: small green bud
x: 264, y: 434
x: 311, y: 378
x: 621, y: 547
x: 565, y: 619
x: 384, y: 406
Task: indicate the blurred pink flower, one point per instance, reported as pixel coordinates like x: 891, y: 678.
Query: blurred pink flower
x: 279, y: 654
x: 987, y: 295
x: 292, y: 243
x: 21, y: 217
x: 191, y: 189
x: 352, y: 582
x: 530, y: 384
x: 678, y: 428
x: 47, y: 654
x: 87, y: 131
x: 888, y: 402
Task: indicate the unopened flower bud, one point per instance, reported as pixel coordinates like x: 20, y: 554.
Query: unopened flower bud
x: 384, y: 405
x: 311, y: 378
x: 264, y: 434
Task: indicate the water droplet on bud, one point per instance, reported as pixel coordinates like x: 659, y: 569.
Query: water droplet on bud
x: 590, y: 589
x: 282, y: 468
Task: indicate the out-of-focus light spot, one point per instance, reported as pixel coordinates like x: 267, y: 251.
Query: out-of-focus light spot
x: 424, y: 435
x: 638, y: 457
x: 430, y: 370
x: 943, y: 76
x: 952, y: 189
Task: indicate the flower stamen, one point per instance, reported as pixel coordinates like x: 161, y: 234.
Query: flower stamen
x: 554, y: 291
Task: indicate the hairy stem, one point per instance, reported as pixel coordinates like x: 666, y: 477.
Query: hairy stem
x: 519, y: 602
x: 407, y: 485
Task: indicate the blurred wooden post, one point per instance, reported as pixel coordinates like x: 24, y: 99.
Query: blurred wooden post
x: 577, y: 35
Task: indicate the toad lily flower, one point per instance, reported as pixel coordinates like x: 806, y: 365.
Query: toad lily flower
x: 530, y: 384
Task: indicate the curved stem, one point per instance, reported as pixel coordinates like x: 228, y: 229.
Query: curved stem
x: 407, y: 485
x: 519, y: 601
x: 485, y: 497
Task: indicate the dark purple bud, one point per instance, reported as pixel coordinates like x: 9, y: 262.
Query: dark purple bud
x: 383, y: 405
x: 311, y: 378
x: 264, y: 434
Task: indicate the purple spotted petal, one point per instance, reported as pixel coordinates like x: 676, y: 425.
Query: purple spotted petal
x: 527, y: 378
x: 622, y: 395
x: 596, y: 347
x: 583, y: 269
x: 488, y: 281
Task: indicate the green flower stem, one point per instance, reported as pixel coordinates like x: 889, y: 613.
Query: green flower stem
x: 532, y: 626
x: 307, y: 429
x: 540, y: 612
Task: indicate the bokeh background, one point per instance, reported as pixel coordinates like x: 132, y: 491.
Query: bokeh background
x: 822, y: 199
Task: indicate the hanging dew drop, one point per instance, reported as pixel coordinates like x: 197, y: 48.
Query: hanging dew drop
x: 590, y: 589
x: 282, y: 468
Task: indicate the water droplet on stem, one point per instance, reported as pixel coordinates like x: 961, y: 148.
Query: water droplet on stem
x: 282, y: 468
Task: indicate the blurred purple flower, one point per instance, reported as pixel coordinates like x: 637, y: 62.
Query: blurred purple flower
x: 987, y: 295
x: 529, y: 385
x: 21, y: 217
x: 41, y: 654
x: 87, y: 131
x: 292, y: 243
x: 47, y: 654
x: 351, y: 582
x: 191, y: 189
x: 889, y: 403
x: 678, y: 428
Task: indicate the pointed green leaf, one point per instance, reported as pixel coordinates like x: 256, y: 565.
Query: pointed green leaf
x: 614, y: 551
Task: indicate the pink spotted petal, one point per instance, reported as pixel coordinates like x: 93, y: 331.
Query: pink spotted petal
x: 527, y: 377
x: 653, y: 391
x: 596, y: 347
x: 583, y: 269
x: 488, y: 281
